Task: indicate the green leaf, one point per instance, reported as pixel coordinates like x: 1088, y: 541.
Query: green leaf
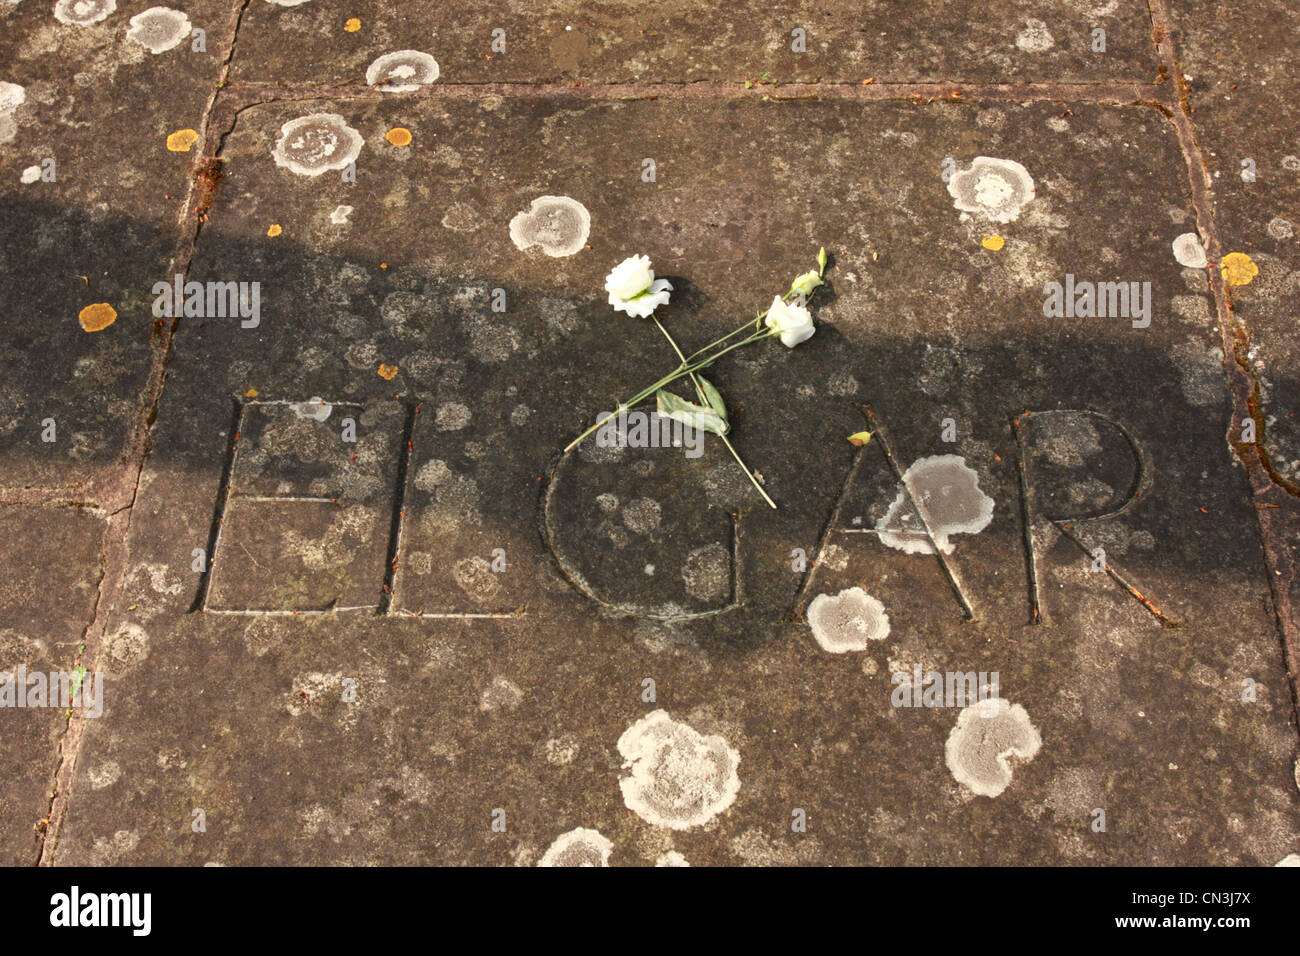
x: 78, y: 675
x: 713, y: 397
x: 696, y: 416
x: 821, y: 261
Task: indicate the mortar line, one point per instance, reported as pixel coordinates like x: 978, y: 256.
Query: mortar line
x: 245, y: 93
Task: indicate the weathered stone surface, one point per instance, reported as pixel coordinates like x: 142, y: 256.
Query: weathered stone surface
x: 457, y: 714
x: 97, y: 111
x: 598, y: 42
x: 363, y: 608
x: 1244, y: 89
x: 47, y: 594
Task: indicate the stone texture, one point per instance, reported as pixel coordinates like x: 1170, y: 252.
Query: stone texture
x: 358, y: 603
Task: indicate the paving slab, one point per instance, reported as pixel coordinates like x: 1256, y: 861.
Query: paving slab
x: 1243, y: 89
x: 491, y: 678
x: 602, y: 42
x: 45, y: 606
x: 90, y: 203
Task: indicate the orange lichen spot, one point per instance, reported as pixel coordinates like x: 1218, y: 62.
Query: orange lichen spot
x: 1238, y: 268
x: 353, y: 25
x: 97, y: 317
x: 383, y: 265
x: 993, y: 243
x: 275, y: 230
x: 251, y: 393
x: 181, y: 140
x: 399, y: 136
x: 387, y: 372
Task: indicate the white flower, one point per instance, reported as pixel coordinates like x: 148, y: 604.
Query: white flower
x: 633, y: 288
x: 792, y: 322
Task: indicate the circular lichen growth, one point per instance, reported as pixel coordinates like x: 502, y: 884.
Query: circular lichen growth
x: 987, y: 737
x: 83, y: 12
x: 159, y: 29
x: 580, y: 847
x: 679, y: 777
x: 558, y: 224
x: 847, y: 621
x: 947, y: 493
x: 1189, y: 252
x: 12, y: 96
x: 402, y: 72
x: 311, y: 145
x: 995, y: 189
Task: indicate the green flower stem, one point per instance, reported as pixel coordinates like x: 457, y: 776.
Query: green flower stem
x: 689, y: 366
x: 748, y: 473
x: 679, y: 372
x: 699, y: 390
x: 729, y: 335
x: 630, y: 403
x: 757, y: 325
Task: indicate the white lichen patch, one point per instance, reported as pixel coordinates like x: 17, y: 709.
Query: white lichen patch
x: 707, y: 573
x: 679, y: 777
x: 105, y: 775
x: 671, y: 858
x: 402, y: 72
x: 501, y: 694
x: 947, y: 492
x: 562, y: 750
x: 313, y: 144
x: 847, y: 621
x: 31, y: 174
x: 1189, y: 252
x: 452, y: 416
x: 83, y: 12
x: 12, y: 96
x: 124, y: 649
x: 1280, y: 228
x: 309, y: 687
x: 558, y: 224
x: 1035, y: 38
x: 159, y: 29
x: 996, y: 189
x: 475, y: 577
x: 988, y: 736
x: 643, y: 515
x: 286, y: 3
x: 315, y: 408
x: 580, y: 847
x: 339, y: 216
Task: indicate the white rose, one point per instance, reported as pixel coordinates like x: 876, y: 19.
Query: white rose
x: 633, y: 288
x: 792, y: 322
x: 630, y: 277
